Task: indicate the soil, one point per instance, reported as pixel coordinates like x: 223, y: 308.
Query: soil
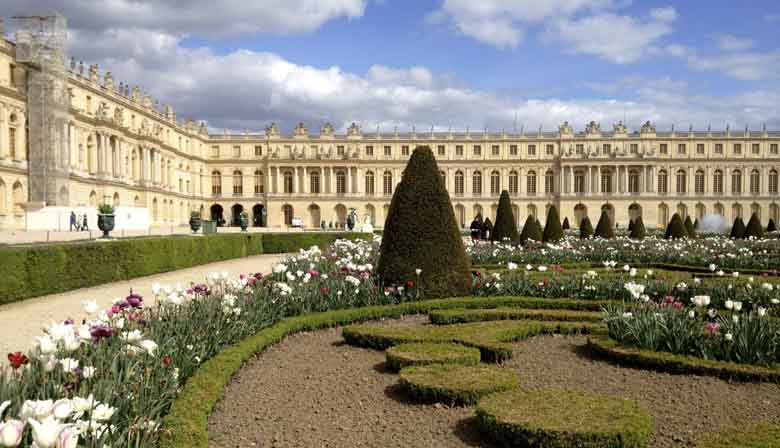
x: 312, y: 390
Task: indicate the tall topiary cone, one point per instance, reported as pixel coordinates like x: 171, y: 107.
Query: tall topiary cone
x: 566, y: 225
x: 421, y: 232
x: 638, y: 229
x: 604, y: 227
x: 530, y: 230
x: 738, y: 229
x: 696, y: 224
x: 754, y: 228
x: 771, y: 227
x: 676, y: 228
x: 552, y: 228
x: 504, y: 228
x: 630, y: 225
x: 689, y: 229
x: 586, y: 228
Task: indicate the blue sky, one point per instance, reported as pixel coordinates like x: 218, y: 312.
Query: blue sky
x: 440, y: 63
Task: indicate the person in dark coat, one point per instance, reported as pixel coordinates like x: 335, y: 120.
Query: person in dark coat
x: 85, y: 226
x: 476, y: 227
x: 487, y: 229
x: 73, y: 223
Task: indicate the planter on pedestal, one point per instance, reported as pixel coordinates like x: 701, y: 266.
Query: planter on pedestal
x: 106, y: 223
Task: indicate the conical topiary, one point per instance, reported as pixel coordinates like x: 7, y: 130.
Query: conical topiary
x: 689, y: 227
x: 738, y: 229
x: 604, y: 227
x: 676, y: 228
x: 630, y: 225
x: 696, y: 224
x: 638, y: 229
x: 754, y: 228
x: 421, y: 233
x: 552, y: 228
x: 586, y: 228
x: 505, y: 228
x: 771, y: 227
x: 565, y: 225
x: 530, y: 230
x: 487, y: 229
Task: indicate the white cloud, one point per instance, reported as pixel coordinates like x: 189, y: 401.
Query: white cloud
x: 742, y: 66
x: 729, y: 42
x: 772, y: 18
x: 668, y: 14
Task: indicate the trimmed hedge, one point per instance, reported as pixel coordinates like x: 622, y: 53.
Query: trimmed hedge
x: 33, y: 271
x: 420, y: 354
x: 459, y: 316
x: 759, y: 435
x: 618, y: 353
x: 455, y: 383
x: 562, y: 419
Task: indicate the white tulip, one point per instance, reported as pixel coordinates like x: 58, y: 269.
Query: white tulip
x: 11, y: 433
x: 132, y: 336
x: 691, y: 314
x: 82, y: 405
x: 45, y: 344
x: 729, y: 304
x: 69, y: 438
x: 735, y: 318
x: 542, y: 268
x: 90, y: 306
x: 88, y: 372
x: 728, y: 336
x: 156, y: 287
x: 36, y: 408
x: 149, y: 345
x: 761, y: 311
x: 3, y: 406
x: 528, y: 267
x: 102, y: 412
x: 712, y: 267
x: 511, y: 266
x: 46, y: 432
x: 737, y: 306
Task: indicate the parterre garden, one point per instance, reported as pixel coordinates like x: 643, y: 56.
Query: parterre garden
x: 698, y: 307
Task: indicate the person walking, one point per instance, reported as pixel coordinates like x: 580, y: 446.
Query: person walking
x: 85, y: 226
x: 73, y: 223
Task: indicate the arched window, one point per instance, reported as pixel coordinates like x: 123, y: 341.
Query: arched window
x: 663, y: 183
x: 459, y: 183
x: 773, y: 181
x: 370, y: 183
x: 755, y: 182
x: 341, y: 182
x: 476, y: 183
x: 513, y: 182
x: 682, y: 182
x: 736, y: 211
x: 699, y: 182
x: 18, y: 197
x: 387, y: 183
x: 314, y: 182
x: 717, y: 182
x: 549, y: 182
x: 736, y: 182
x: 663, y: 215
x: 287, y: 181
x: 606, y: 182
x: 259, y: 182
x: 633, y: 182
x: 238, y: 183
x: 495, y: 183
x: 216, y: 183
x: 531, y: 180
x: 287, y: 211
x: 719, y: 209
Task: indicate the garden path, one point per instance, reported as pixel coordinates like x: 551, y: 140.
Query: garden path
x: 20, y: 322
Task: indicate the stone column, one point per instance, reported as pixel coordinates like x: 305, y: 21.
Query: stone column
x: 348, y: 188
x: 521, y: 182
x: 467, y: 182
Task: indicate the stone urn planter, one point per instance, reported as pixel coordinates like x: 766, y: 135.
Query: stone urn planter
x: 195, y: 222
x: 106, y: 224
x: 243, y: 222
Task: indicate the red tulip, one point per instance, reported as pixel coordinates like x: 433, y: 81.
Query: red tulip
x: 17, y: 359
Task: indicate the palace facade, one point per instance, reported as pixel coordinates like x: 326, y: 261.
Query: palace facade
x: 125, y: 149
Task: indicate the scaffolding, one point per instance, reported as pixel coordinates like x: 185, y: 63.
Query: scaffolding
x: 41, y: 44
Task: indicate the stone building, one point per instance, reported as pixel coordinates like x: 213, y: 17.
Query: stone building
x: 124, y: 148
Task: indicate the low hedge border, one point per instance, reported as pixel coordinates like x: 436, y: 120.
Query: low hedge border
x: 188, y: 418
x: 455, y: 384
x: 419, y: 354
x: 611, y: 350
x: 458, y: 316
x: 561, y: 419
x: 39, y: 270
x: 759, y: 435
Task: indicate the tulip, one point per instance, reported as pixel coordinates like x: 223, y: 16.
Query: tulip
x: 102, y: 412
x: 69, y: 438
x: 729, y: 304
x: 46, y: 432
x: 11, y: 433
x: 761, y: 311
x: 737, y: 306
x: 90, y: 306
x: 728, y: 336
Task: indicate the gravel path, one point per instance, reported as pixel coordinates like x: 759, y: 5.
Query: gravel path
x: 314, y: 391
x: 21, y: 321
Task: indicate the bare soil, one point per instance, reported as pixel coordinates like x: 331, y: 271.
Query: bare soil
x: 312, y: 390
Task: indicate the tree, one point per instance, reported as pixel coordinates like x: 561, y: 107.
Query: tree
x: 552, y: 228
x: 771, y: 227
x: 604, y: 227
x: 487, y: 229
x: 754, y: 228
x: 505, y: 227
x: 689, y: 227
x: 738, y: 229
x: 630, y: 225
x: 638, y: 229
x: 676, y: 228
x: 530, y: 230
x: 421, y: 233
x: 565, y: 225
x: 586, y: 228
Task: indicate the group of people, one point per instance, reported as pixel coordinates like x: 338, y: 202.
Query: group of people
x: 480, y: 230
x: 78, y: 223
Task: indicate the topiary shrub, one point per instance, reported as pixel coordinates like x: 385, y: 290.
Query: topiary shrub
x: 771, y: 227
x: 676, y: 228
x: 604, y: 228
x: 565, y: 225
x: 530, y: 231
x: 424, y: 353
x: 455, y: 383
x: 552, y: 228
x: 638, y: 230
x: 487, y: 229
x: 738, y: 229
x: 754, y: 228
x: 505, y: 227
x: 689, y: 227
x: 421, y: 233
x: 586, y: 228
x: 696, y: 224
x: 630, y: 225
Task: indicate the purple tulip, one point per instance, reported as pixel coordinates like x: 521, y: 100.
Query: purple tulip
x: 100, y: 331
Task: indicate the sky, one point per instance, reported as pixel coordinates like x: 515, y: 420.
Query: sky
x: 476, y: 64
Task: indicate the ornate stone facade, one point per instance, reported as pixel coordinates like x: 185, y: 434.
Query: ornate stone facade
x: 127, y: 150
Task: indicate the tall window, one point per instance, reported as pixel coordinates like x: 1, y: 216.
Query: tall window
x: 606, y: 148
x: 579, y: 148
x: 700, y: 148
x: 341, y: 182
x: 236, y: 151
x: 405, y: 150
x: 663, y: 182
x: 513, y: 182
x: 370, y: 151
x: 699, y: 182
x: 773, y: 181
x: 459, y: 183
x: 736, y: 182
x: 477, y: 150
x: 216, y: 183
x: 388, y: 151
x: 12, y: 143
x: 458, y: 150
x: 718, y: 148
x: 549, y: 182
x: 238, y: 183
x: 550, y: 149
x: 495, y: 150
x: 755, y: 182
x: 717, y: 182
x: 664, y: 148
x: 287, y: 181
x: 441, y: 151
x: 512, y: 150
x: 259, y: 182
x: 476, y: 183
x: 531, y: 150
x: 287, y: 210
x: 682, y: 182
x: 737, y: 148
x: 531, y: 180
x: 258, y: 151
x: 773, y: 149
x: 681, y: 149
x: 633, y: 182
x: 633, y: 148
x: 495, y: 183
x: 215, y: 151
x: 579, y: 182
x: 315, y: 182
x: 606, y: 182
x: 387, y: 183
x: 755, y: 148
x: 369, y: 183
